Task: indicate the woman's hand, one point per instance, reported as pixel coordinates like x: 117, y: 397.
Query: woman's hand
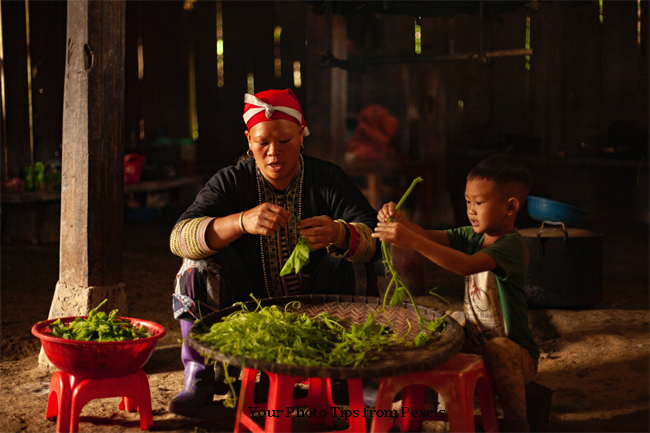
x: 321, y: 231
x: 387, y: 211
x: 265, y: 219
x: 395, y: 233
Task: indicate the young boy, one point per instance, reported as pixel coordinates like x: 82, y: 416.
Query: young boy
x: 493, y: 257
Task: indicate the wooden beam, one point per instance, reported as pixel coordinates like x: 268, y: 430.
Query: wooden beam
x: 90, y: 264
x: 329, y: 59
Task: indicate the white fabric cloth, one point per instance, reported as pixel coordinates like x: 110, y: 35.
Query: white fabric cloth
x: 269, y: 109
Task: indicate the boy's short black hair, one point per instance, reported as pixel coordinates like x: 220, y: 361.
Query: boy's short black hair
x: 503, y: 169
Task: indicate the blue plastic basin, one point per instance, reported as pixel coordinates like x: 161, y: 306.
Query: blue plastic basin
x: 543, y: 209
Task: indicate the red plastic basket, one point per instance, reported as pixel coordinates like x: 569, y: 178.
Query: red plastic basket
x: 98, y: 360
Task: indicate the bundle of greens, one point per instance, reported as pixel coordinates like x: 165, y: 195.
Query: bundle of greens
x: 99, y: 327
x: 428, y: 329
x: 298, y: 259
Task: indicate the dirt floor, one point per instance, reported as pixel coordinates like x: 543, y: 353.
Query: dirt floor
x: 596, y: 361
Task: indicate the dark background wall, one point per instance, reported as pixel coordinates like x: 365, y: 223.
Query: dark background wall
x: 47, y: 38
x: 578, y: 115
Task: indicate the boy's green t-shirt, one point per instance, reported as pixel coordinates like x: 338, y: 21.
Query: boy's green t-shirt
x: 495, y: 301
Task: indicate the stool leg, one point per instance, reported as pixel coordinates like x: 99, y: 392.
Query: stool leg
x: 330, y: 396
x: 248, y: 390
x: 388, y: 387
x: 317, y: 399
x: 413, y: 399
x: 280, y: 397
x: 139, y: 399
x: 486, y: 400
x: 355, y: 389
x: 128, y: 405
x: 54, y: 396
x: 58, y: 401
x: 144, y: 401
x: 459, y: 403
x: 77, y: 402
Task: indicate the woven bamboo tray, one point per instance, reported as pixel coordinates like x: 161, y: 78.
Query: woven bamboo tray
x: 396, y: 360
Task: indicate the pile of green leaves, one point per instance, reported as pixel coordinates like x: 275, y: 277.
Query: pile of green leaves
x: 285, y: 336
x: 429, y: 329
x: 99, y: 327
x: 298, y: 259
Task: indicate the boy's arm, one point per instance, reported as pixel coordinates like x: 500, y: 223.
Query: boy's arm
x: 438, y: 236
x: 388, y: 211
x: 456, y: 261
x: 401, y: 236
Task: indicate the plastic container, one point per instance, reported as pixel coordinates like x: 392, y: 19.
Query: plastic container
x: 132, y: 168
x: 29, y: 178
x: 39, y: 176
x: 52, y: 176
x: 98, y: 360
x: 543, y: 209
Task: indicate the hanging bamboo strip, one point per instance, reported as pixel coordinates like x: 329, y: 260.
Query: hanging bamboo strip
x: 5, y: 174
x: 29, y: 87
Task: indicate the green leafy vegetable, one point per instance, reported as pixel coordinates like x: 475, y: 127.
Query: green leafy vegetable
x: 284, y: 336
x: 298, y: 259
x: 433, y: 327
x: 99, y: 327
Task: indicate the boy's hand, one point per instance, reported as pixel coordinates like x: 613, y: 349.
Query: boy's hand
x: 395, y: 233
x: 387, y: 211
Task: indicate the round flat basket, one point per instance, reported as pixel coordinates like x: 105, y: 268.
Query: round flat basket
x: 396, y: 360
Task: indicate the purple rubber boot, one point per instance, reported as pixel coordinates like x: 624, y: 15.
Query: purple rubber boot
x: 199, y: 379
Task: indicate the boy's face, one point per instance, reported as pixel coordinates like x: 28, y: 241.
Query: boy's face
x: 487, y: 208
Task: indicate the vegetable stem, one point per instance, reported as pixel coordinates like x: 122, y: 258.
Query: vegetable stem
x: 395, y: 278
x: 406, y: 194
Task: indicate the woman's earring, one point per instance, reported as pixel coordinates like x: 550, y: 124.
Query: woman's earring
x: 302, y: 147
x: 249, y: 153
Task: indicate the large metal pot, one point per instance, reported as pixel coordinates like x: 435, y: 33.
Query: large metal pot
x: 565, y: 267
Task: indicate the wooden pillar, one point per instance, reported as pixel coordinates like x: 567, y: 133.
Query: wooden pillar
x: 90, y: 263
x: 338, y: 91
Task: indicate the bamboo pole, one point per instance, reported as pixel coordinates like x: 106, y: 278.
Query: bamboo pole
x: 29, y: 86
x: 5, y: 174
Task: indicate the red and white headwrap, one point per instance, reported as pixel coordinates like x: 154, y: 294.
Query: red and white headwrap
x: 273, y: 105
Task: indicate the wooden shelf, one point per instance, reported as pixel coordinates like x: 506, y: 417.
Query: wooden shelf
x: 165, y: 184
x: 30, y: 197
x: 9, y: 197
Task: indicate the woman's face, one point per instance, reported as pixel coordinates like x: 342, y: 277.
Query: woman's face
x: 276, y: 148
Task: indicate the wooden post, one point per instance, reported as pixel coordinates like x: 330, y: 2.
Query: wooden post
x: 90, y: 263
x: 338, y: 91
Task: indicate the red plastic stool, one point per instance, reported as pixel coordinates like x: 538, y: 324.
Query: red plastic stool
x: 69, y: 394
x: 455, y: 381
x: 319, y: 401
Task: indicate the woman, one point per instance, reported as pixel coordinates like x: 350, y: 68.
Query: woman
x: 247, y: 220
